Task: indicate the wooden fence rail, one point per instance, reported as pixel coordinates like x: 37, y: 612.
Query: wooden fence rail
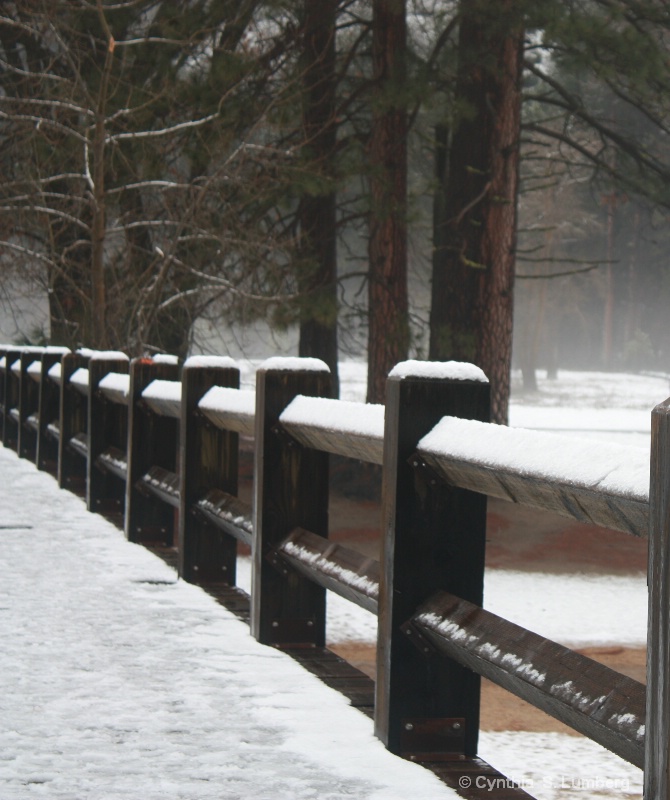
x: 160, y: 443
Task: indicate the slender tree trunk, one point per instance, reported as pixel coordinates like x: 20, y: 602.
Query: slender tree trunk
x: 388, y: 331
x: 317, y: 212
x: 475, y: 234
x: 98, y: 231
x: 99, y: 200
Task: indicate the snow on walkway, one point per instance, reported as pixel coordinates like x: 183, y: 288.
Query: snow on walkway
x: 117, y: 681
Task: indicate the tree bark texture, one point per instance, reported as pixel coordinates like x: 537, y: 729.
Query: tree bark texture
x: 476, y: 204
x: 317, y: 212
x: 388, y: 331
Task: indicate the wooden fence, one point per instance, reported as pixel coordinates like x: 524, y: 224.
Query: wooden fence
x: 159, y: 444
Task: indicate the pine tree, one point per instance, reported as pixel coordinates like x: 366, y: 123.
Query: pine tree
x: 475, y: 231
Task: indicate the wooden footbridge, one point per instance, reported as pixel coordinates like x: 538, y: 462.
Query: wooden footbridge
x: 156, y: 445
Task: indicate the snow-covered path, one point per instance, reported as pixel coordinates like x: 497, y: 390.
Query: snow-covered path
x: 116, y: 681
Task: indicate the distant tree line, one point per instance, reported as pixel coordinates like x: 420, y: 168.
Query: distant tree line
x: 285, y: 160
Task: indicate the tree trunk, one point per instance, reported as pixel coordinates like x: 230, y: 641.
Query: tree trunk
x: 388, y: 331
x: 476, y: 213
x: 317, y: 212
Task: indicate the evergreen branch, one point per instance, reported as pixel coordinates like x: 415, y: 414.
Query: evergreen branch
x: 559, y: 274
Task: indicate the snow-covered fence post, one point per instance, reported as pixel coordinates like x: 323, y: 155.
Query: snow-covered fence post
x: 433, y: 538
x: 657, y: 729
x: 4, y: 365
x: 152, y: 440
x: 73, y: 420
x: 208, y: 459
x: 12, y: 393
x: 107, y: 425
x: 49, y: 404
x: 28, y: 405
x: 290, y: 491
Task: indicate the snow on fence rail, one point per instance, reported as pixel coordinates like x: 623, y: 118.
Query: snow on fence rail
x: 158, y: 439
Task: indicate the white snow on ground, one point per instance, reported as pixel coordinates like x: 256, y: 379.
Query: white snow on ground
x: 116, y: 681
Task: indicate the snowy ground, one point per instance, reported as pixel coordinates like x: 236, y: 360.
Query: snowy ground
x: 116, y: 681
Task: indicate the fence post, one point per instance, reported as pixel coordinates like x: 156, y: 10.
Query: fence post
x: 290, y: 490
x: 11, y: 429
x: 152, y: 441
x: 208, y: 460
x: 107, y: 425
x: 657, y: 729
x: 47, y: 447
x: 73, y: 419
x: 28, y: 404
x: 433, y: 538
x: 4, y: 354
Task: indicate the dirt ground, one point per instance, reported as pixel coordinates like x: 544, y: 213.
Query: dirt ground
x: 520, y: 539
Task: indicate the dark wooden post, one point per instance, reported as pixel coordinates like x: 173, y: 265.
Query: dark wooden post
x: 152, y: 441
x: 290, y: 491
x: 73, y: 420
x: 433, y: 539
x: 3, y: 386
x: 29, y: 400
x: 208, y: 460
x: 657, y: 730
x: 49, y: 403
x: 11, y: 428
x: 107, y: 426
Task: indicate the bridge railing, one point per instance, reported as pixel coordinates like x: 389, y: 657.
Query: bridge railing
x: 440, y: 459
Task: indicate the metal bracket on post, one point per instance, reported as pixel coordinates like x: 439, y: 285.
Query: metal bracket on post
x: 433, y: 739
x: 415, y: 636
x: 425, y: 471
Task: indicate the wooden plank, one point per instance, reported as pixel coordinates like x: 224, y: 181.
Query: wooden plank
x: 657, y: 760
x: 236, y: 600
x: 352, y: 430
x: 79, y: 444
x: 434, y: 539
x: 474, y: 779
x: 333, y: 566
x: 594, y: 507
x: 616, y: 510
x: 209, y: 460
x: 116, y: 392
x: 337, y: 673
x: 162, y: 484
x: 114, y: 460
x: 593, y: 699
x: 230, y: 409
x: 80, y: 381
x: 290, y: 491
x: 163, y: 397
x: 229, y: 513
